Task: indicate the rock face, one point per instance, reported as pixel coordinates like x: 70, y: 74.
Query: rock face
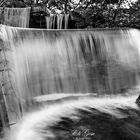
x: 1, y: 15
x: 138, y: 100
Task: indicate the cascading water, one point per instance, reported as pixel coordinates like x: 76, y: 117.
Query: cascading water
x: 66, y: 18
x: 50, y: 22
x: 56, y: 21
x: 17, y: 17
x: 70, y: 61
x: 59, y: 21
x: 115, y: 118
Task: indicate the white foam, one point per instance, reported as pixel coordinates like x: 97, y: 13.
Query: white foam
x: 49, y: 115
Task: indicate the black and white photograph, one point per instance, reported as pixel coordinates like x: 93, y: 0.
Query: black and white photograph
x: 69, y: 69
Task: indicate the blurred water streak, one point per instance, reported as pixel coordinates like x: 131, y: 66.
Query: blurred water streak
x: 69, y: 61
x: 17, y: 17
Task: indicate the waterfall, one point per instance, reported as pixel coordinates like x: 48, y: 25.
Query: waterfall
x: 59, y: 21
x: 66, y: 20
x: 42, y: 62
x: 56, y: 21
x: 17, y: 17
x: 50, y: 22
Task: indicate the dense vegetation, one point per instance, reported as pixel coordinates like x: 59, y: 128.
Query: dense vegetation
x: 86, y: 13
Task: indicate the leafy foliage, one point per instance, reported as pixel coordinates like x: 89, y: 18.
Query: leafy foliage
x: 88, y: 13
x: 98, y: 15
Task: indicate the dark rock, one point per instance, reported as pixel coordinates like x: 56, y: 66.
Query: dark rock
x: 138, y: 101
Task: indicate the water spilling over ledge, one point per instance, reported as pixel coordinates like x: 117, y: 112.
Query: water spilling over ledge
x: 16, y: 17
x: 44, y: 62
x: 57, y: 21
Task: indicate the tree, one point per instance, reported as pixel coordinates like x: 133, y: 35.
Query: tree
x: 88, y: 13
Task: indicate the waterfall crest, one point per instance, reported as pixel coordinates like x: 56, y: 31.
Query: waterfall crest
x: 70, y: 61
x: 17, y: 17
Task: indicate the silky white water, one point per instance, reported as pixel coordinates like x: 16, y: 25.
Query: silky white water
x: 56, y: 21
x: 37, y: 124
x: 43, y: 62
x: 17, y: 17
